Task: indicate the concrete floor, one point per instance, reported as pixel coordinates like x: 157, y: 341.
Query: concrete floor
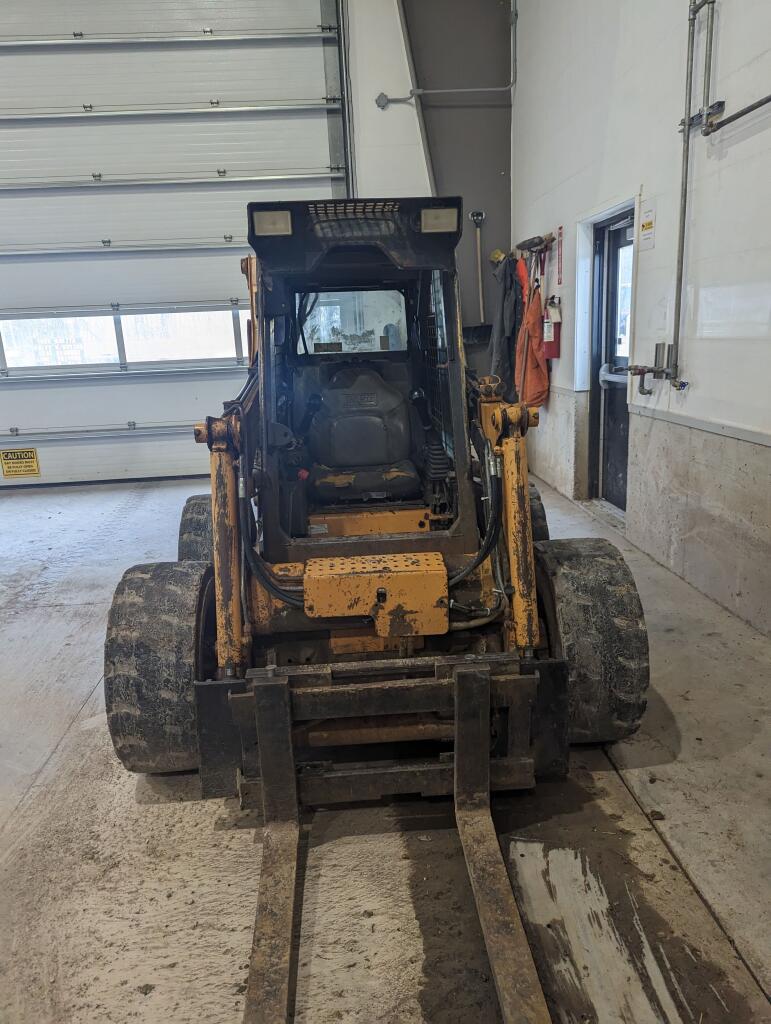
x: 644, y: 878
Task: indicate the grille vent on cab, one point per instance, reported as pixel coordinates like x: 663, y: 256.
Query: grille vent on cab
x: 355, y: 218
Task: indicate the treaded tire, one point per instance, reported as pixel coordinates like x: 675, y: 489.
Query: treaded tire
x: 538, y: 515
x: 160, y: 639
x: 595, y: 622
x: 195, y: 530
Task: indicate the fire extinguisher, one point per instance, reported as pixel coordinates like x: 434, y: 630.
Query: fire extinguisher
x: 552, y: 327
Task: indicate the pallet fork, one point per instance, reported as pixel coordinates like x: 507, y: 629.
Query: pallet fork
x: 271, y: 968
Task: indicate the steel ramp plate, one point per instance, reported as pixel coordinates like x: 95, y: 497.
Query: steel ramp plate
x: 519, y: 991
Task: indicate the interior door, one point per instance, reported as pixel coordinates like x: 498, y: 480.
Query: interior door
x: 613, y: 301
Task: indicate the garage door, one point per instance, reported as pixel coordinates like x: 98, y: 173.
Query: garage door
x: 148, y: 126
x: 132, y: 136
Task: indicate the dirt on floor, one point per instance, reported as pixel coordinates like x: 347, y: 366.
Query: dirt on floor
x: 126, y: 899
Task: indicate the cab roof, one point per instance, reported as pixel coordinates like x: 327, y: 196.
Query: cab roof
x: 412, y: 233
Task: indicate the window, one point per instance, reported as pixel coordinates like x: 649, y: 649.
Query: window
x: 360, y: 321
x: 61, y: 341
x: 154, y: 337
x: 624, y: 300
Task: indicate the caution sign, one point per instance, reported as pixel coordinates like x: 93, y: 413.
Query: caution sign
x: 19, y: 462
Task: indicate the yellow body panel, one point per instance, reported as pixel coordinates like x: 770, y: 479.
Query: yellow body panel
x: 361, y: 642
x: 366, y: 523
x: 406, y: 595
x: 264, y: 605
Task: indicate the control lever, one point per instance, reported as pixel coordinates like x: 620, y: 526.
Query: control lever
x: 418, y: 399
x: 312, y: 406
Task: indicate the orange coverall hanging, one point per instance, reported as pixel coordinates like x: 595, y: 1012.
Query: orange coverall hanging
x: 534, y: 388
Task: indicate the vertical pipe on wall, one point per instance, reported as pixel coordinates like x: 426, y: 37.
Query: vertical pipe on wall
x: 344, y: 39
x: 683, y: 191
x: 707, y: 66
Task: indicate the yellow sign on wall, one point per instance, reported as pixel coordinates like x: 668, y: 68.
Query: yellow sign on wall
x: 19, y: 462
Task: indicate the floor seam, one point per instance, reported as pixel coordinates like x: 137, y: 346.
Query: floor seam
x: 678, y: 860
x: 36, y: 775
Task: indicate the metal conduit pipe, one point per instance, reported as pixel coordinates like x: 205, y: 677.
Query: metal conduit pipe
x: 715, y: 126
x: 693, y: 10
x: 707, y: 67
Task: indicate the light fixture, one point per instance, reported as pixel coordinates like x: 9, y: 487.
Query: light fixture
x: 272, y: 222
x: 435, y: 219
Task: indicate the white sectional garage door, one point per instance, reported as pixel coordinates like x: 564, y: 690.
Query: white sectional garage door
x: 132, y: 135
x: 148, y: 126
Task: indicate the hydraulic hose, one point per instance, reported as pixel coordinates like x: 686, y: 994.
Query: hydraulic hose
x: 256, y: 564
x: 492, y: 531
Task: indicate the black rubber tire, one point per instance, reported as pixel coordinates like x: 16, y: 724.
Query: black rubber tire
x: 195, y: 530
x: 595, y: 621
x: 538, y: 515
x: 160, y: 639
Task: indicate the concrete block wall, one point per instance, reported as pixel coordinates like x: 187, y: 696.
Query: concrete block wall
x: 700, y: 503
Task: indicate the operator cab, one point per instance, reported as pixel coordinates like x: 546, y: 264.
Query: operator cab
x: 364, y: 382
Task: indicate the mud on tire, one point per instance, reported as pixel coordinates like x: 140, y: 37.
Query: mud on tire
x: 160, y: 639
x: 595, y: 621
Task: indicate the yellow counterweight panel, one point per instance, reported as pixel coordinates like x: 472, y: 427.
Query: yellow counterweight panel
x: 405, y: 595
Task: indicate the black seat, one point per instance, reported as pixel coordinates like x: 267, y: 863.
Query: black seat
x: 360, y: 439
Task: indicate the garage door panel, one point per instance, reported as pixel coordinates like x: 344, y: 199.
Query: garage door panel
x: 155, y: 180
x: 60, y: 18
x: 99, y: 404
x: 118, y: 78
x: 166, y: 148
x: 75, y: 281
x: 186, y: 215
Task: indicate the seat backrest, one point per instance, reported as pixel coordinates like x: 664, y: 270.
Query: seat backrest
x: 363, y: 421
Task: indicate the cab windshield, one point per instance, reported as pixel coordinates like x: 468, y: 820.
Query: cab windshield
x: 351, y: 321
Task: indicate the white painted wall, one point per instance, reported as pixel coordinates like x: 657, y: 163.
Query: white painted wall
x: 599, y: 97
x: 390, y: 160
x: 598, y: 101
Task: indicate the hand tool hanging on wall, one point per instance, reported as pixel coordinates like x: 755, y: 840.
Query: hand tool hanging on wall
x: 477, y: 219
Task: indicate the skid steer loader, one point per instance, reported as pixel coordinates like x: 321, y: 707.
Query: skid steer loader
x: 367, y: 603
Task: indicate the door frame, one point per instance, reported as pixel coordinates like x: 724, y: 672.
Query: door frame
x: 603, y: 263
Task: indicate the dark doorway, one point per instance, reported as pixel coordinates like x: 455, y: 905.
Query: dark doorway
x: 611, y: 314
